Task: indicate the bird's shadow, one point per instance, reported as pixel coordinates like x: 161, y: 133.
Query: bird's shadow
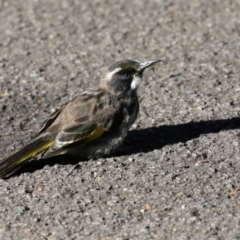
x: 148, y: 139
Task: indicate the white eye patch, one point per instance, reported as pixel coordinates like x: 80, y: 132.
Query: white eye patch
x: 110, y: 74
x: 135, y: 82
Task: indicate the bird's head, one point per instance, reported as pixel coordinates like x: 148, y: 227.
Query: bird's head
x: 125, y: 75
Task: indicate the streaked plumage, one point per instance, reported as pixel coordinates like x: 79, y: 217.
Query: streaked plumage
x: 93, y: 124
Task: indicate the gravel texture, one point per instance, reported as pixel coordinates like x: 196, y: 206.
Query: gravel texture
x: 178, y: 174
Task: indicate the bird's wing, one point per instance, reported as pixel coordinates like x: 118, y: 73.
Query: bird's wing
x: 78, y: 122
x: 48, y: 122
x: 81, y: 132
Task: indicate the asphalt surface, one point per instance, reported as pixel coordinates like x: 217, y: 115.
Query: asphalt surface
x: 178, y: 174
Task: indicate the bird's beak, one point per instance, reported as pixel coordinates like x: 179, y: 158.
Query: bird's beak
x: 147, y: 64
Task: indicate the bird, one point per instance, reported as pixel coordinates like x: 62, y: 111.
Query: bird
x: 92, y: 125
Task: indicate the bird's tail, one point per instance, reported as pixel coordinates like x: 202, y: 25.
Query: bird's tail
x: 12, y: 163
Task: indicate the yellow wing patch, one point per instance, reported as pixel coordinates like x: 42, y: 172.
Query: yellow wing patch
x: 96, y: 133
x: 32, y: 154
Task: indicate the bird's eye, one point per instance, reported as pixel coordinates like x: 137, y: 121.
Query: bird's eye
x: 125, y: 76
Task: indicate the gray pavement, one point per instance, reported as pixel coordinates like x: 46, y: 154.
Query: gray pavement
x: 177, y: 176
